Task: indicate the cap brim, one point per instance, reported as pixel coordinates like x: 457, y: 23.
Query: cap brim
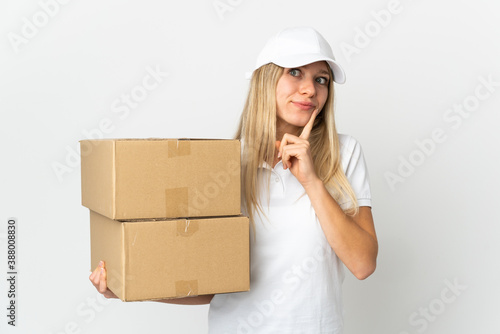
x: 305, y: 59
x: 338, y: 72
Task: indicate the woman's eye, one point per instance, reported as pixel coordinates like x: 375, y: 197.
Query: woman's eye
x: 294, y: 72
x: 322, y: 80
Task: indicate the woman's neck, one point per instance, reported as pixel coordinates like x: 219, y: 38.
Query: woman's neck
x: 282, y: 129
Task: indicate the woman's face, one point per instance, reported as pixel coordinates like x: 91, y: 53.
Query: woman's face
x: 299, y: 92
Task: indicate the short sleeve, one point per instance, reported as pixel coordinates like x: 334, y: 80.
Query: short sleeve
x: 353, y: 163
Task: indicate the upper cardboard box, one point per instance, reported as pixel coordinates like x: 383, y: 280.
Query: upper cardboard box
x: 126, y: 179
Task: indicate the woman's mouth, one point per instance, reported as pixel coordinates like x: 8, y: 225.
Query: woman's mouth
x: 303, y: 105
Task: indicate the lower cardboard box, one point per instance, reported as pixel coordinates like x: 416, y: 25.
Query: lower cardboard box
x: 148, y: 260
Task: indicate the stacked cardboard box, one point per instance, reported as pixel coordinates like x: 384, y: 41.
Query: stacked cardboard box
x: 165, y: 216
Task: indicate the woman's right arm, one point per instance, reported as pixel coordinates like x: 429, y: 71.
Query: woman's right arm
x: 99, y: 280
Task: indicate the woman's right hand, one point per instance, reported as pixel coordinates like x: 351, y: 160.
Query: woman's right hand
x: 98, y: 278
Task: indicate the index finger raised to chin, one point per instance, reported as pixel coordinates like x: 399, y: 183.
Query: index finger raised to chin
x: 306, y: 131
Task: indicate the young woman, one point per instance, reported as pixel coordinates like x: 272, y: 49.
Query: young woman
x: 306, y: 191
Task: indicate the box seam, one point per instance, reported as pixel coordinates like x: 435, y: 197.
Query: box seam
x: 113, y: 176
x: 123, y: 264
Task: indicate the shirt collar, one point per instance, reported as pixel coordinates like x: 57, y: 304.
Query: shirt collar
x: 268, y: 166
x: 265, y: 165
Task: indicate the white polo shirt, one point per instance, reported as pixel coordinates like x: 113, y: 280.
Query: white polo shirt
x: 296, y: 277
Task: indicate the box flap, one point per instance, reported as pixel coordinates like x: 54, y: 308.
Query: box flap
x: 183, y: 257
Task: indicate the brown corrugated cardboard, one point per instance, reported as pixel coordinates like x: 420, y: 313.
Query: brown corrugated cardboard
x: 128, y: 179
x: 148, y: 260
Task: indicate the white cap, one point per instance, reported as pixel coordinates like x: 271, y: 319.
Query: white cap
x: 299, y: 46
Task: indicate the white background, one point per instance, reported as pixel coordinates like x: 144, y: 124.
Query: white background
x: 436, y: 224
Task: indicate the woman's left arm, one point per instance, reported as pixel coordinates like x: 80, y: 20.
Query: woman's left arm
x: 352, y: 238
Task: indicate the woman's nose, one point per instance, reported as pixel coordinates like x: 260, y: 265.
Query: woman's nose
x: 307, y: 87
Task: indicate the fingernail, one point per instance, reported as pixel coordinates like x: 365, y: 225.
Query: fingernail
x: 279, y: 155
x: 102, y: 270
x: 101, y: 264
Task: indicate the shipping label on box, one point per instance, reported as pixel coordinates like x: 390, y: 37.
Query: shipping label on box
x: 149, y: 260
x: 128, y: 179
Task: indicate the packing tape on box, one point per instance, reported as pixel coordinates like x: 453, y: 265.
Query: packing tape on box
x: 186, y: 288
x: 178, y: 148
x: 176, y: 199
x: 177, y: 202
x: 186, y: 228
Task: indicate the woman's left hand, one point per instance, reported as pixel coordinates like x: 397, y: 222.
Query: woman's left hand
x: 296, y: 155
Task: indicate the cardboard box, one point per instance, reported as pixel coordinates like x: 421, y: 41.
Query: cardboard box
x: 174, y: 258
x: 128, y: 179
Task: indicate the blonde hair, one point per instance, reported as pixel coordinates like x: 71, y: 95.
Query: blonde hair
x: 257, y: 130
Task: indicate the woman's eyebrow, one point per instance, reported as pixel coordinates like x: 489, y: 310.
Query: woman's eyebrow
x: 322, y: 71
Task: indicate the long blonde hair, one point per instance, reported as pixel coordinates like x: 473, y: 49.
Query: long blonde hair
x: 257, y: 130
